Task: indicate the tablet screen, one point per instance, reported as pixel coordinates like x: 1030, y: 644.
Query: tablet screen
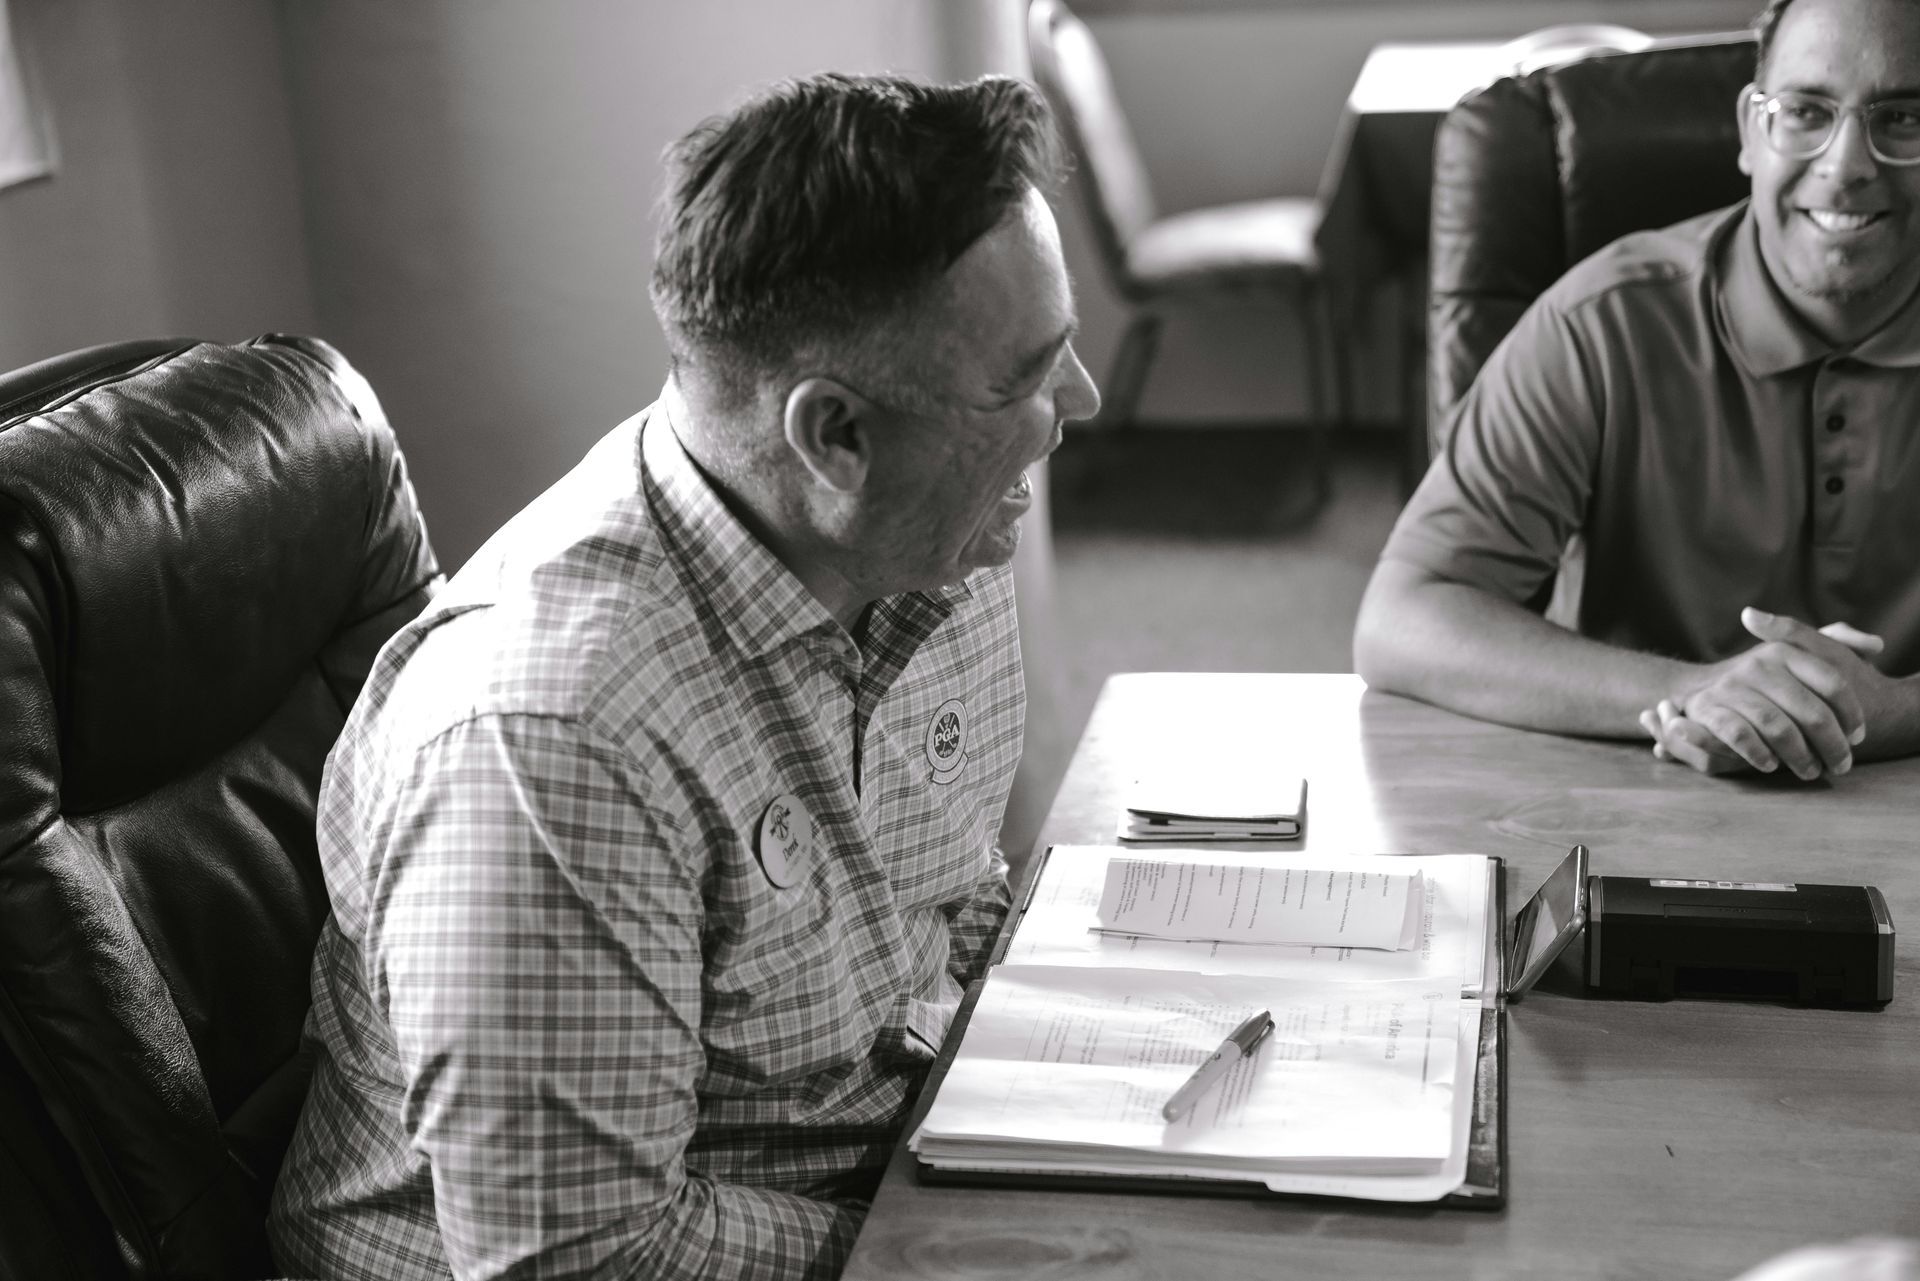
x: 1550, y: 920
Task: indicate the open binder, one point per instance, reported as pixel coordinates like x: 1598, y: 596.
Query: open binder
x: 990, y: 1120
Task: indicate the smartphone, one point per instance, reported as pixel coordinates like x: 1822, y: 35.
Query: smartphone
x: 1552, y: 919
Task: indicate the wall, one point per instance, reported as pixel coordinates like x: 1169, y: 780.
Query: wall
x: 175, y: 209
x: 480, y: 178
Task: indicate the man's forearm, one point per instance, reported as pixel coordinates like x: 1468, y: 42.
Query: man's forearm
x: 725, y: 1230
x: 1461, y: 648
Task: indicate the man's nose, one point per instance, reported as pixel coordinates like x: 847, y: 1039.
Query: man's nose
x: 1078, y: 398
x: 1849, y: 157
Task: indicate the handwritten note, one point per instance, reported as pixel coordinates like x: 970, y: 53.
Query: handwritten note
x: 1262, y: 903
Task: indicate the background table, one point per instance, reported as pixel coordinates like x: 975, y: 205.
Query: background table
x: 1377, y: 186
x: 1678, y: 1140
x: 1376, y: 194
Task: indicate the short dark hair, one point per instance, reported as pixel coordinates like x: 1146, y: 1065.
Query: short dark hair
x: 1764, y: 28
x: 820, y: 208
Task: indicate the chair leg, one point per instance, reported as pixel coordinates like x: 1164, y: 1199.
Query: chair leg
x: 1411, y: 309
x: 1325, y: 380
x: 1127, y: 376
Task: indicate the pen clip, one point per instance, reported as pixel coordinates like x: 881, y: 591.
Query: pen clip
x: 1252, y: 1032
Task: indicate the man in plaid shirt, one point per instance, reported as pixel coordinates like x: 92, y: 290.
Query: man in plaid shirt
x: 661, y: 847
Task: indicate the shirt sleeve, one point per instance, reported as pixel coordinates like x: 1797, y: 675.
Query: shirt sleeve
x: 1498, y: 505
x: 976, y: 923
x: 537, y: 946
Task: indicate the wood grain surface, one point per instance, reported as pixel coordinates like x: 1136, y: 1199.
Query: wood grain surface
x: 1668, y: 1141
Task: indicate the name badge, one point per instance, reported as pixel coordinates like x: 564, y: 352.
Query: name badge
x: 786, y: 841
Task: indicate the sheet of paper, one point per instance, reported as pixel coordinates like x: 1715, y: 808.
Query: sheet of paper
x: 1071, y: 1062
x: 1239, y: 792
x: 1261, y: 901
x: 1061, y: 925
x: 1417, y: 1187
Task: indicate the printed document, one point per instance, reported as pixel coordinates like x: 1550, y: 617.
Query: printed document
x: 1262, y: 901
x: 1068, y: 1067
x: 1061, y: 924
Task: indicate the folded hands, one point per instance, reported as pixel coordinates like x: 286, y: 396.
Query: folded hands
x: 1801, y: 699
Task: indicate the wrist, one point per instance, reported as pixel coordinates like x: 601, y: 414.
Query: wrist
x: 1681, y: 682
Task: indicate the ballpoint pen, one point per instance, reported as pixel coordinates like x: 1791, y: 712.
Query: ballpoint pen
x: 1238, y: 1045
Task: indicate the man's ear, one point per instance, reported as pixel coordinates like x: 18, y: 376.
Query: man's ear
x: 829, y: 426
x: 1744, y: 115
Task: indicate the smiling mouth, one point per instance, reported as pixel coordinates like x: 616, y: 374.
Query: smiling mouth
x: 1840, y: 221
x: 1020, y: 490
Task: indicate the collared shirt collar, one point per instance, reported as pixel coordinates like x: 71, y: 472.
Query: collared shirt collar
x: 1764, y: 333
x: 756, y: 598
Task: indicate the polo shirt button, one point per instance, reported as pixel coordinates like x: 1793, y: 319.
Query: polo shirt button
x: 1836, y: 421
x: 1835, y: 484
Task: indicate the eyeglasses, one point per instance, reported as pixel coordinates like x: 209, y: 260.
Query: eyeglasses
x: 1802, y: 125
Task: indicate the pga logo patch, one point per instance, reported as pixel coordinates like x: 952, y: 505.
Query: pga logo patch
x: 947, y: 741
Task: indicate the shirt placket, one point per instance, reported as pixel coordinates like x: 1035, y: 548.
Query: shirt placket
x: 836, y: 678
x: 1841, y: 493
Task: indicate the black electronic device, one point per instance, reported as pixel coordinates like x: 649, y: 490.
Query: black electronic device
x: 1655, y: 938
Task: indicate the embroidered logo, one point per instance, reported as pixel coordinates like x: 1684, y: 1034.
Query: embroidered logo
x: 947, y: 741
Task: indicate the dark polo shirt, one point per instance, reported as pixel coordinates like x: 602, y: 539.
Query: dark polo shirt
x: 1663, y: 401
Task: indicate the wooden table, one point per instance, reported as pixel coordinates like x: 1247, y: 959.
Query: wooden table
x: 1674, y: 1141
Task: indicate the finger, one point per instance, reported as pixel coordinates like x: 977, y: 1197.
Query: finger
x: 1667, y: 713
x: 1801, y: 704
x: 1703, y: 750
x: 1787, y: 630
x: 1842, y: 701
x: 1774, y: 627
x: 1731, y: 725
x: 1692, y: 744
x: 1821, y: 703
x: 1865, y: 644
x: 1650, y: 722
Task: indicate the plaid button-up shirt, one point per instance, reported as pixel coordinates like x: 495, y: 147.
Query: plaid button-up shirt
x: 590, y: 1002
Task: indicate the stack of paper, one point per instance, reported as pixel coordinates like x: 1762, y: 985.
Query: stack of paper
x: 1365, y: 1087
x: 1227, y: 806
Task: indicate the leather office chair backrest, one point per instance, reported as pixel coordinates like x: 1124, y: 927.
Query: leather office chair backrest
x: 202, y: 547
x: 1533, y: 173
x: 1071, y: 71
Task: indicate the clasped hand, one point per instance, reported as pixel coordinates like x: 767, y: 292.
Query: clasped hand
x: 1795, y: 699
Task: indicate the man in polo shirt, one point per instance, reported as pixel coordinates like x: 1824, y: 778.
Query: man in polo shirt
x: 1727, y: 413
x: 661, y: 847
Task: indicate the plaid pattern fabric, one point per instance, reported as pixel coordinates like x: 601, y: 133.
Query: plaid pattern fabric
x: 571, y: 1021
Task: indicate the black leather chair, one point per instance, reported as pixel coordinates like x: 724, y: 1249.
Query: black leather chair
x: 1533, y: 173
x: 202, y: 547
